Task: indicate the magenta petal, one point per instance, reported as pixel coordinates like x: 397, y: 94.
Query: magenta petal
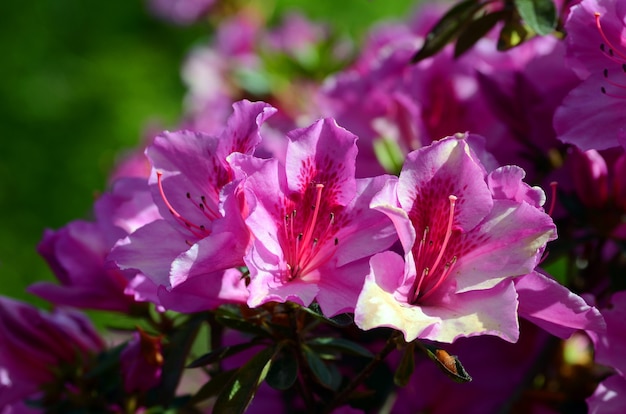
x: 142, y: 251
x: 611, y: 347
x: 323, y: 153
x: 83, y: 297
x: 218, y: 251
x: 507, y: 244
x: 610, y: 397
x: 242, y: 132
x: 506, y: 183
x: 370, y: 231
x: 445, y: 168
x: 584, y: 111
x: 191, y: 170
x: 551, y: 306
x: 205, y: 293
x: 339, y: 293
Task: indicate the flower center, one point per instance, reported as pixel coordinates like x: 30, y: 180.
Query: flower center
x: 615, y: 55
x: 210, y: 212
x: 429, y: 259
x: 304, y: 252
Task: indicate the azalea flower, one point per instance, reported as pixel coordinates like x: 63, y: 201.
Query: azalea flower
x: 36, y: 346
x: 610, y: 396
x: 592, y: 116
x: 77, y: 252
x: 202, y: 231
x: 313, y: 230
x: 141, y: 362
x: 466, y: 235
x: 183, y: 12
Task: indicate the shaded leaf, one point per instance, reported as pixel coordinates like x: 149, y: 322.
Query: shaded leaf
x: 512, y: 34
x: 220, y: 354
x: 175, y: 356
x: 406, y: 366
x: 283, y: 371
x: 213, y: 387
x: 339, y: 344
x: 319, y: 368
x: 448, y: 28
x: 232, y: 319
x: 343, y: 319
x: 539, y: 15
x: 475, y: 31
x: 240, y: 389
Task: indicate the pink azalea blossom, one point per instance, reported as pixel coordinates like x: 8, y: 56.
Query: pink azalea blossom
x: 313, y: 230
x: 592, y: 116
x: 181, y: 12
x: 192, y: 186
x: 77, y: 252
x: 466, y: 235
x: 141, y: 362
x: 610, y: 396
x: 35, y: 343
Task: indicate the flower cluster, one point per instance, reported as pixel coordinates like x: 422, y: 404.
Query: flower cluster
x: 323, y: 239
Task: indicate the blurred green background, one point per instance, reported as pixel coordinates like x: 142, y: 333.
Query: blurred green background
x: 80, y: 81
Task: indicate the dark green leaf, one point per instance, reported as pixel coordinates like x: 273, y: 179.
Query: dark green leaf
x: 475, y: 31
x: 539, y: 15
x: 234, y: 320
x: 512, y: 34
x: 339, y: 344
x: 220, y: 354
x: 283, y: 371
x: 406, y: 367
x: 240, y: 389
x: 449, y: 364
x: 175, y: 355
x: 448, y: 28
x: 319, y: 368
x: 343, y: 319
x: 214, y: 386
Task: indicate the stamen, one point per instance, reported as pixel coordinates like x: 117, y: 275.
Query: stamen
x: 416, y: 292
x: 198, y: 231
x: 316, y: 209
x: 305, y: 251
x: 606, y: 40
x: 448, y: 231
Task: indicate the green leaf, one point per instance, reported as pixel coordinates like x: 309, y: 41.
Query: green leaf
x: 220, y: 354
x: 389, y: 155
x: 240, y: 389
x: 283, y: 371
x: 343, y: 319
x: 449, y: 364
x: 448, y: 28
x: 475, y: 31
x: 539, y: 15
x: 319, y: 368
x: 213, y: 387
x: 406, y: 366
x: 339, y: 344
x: 175, y: 356
x: 232, y: 319
x: 512, y: 34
